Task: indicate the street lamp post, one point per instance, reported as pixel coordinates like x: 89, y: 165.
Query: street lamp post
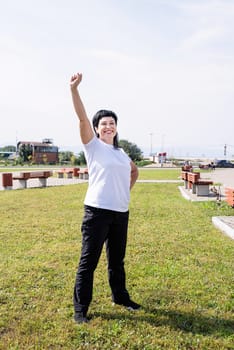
x: 162, y: 142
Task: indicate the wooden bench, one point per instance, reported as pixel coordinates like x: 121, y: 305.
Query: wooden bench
x: 187, y: 168
x: 229, y: 196
x: 83, y: 174
x: 76, y: 172
x: 70, y: 172
x: 193, y: 178
x: 23, y: 177
x: 184, y: 176
x: 193, y: 182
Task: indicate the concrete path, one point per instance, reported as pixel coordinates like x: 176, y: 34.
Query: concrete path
x: 221, y: 176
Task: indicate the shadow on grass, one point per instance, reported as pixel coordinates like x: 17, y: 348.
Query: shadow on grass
x: 195, y: 323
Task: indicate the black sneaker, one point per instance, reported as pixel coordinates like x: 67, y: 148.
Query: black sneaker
x: 80, y: 317
x: 130, y: 305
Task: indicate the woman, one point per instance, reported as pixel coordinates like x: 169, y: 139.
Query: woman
x: 111, y: 176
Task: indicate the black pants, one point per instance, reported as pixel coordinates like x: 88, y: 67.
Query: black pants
x: 101, y: 226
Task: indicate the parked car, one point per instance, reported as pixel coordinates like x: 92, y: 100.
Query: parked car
x: 210, y: 165
x: 204, y: 166
x: 224, y: 164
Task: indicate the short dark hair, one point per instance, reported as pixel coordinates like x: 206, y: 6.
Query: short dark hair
x: 105, y: 113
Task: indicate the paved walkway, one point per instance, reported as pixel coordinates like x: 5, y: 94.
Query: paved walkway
x: 225, y: 177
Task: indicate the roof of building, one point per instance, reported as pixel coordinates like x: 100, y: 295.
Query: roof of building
x: 34, y: 143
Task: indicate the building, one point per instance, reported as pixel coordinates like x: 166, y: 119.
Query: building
x: 39, y: 152
x: 159, y: 158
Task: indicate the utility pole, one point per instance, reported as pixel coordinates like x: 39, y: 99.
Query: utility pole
x: 16, y: 140
x: 151, y: 143
x: 225, y: 150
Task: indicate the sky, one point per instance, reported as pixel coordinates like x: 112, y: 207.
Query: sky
x: 166, y: 67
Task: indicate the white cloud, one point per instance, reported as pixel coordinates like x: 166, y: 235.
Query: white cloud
x: 203, y: 37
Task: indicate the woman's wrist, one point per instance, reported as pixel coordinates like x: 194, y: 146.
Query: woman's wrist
x: 74, y: 89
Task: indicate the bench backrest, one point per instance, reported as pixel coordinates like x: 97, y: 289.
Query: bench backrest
x: 184, y: 175
x: 83, y: 171
x: 35, y: 174
x: 193, y: 177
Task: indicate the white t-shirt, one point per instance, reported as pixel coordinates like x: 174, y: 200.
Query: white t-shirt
x: 109, y: 176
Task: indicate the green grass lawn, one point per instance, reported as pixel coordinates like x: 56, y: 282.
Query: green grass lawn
x: 159, y: 174
x: 179, y: 267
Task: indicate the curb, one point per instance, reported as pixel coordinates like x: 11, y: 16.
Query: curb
x: 218, y: 222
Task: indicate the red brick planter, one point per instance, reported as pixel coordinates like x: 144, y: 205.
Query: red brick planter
x: 229, y: 196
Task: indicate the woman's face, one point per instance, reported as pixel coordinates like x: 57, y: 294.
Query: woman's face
x: 107, y: 129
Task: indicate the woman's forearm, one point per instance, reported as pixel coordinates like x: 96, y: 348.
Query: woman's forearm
x: 86, y: 131
x: 78, y: 105
x: 134, y: 175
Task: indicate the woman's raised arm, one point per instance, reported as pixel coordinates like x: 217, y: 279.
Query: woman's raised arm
x: 86, y: 131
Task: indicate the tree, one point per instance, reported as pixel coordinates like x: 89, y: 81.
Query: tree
x: 9, y: 148
x: 132, y: 150
x: 70, y: 157
x: 65, y: 157
x: 81, y: 158
x: 25, y: 151
x: 74, y: 160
